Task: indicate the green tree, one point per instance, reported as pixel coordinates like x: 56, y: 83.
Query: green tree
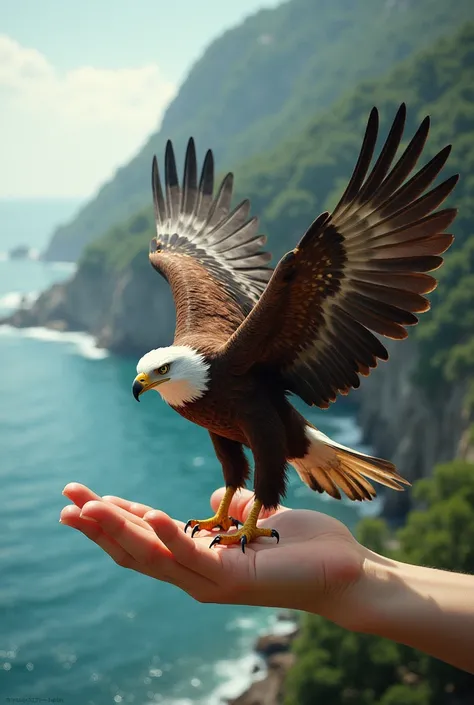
x: 402, y: 694
x: 343, y: 668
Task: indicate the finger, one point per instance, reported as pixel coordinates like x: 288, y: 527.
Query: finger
x: 136, y: 508
x: 191, y: 553
x: 80, y: 495
x: 241, y: 504
x: 138, y: 541
x: 133, y: 517
x: 71, y: 516
x: 133, y: 507
x: 149, y: 555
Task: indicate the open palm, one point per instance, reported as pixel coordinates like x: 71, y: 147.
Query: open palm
x: 315, y: 567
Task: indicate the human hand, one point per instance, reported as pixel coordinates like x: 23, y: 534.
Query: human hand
x: 318, y: 566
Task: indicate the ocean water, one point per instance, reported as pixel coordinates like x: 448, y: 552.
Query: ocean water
x: 73, y: 625
x: 32, y: 221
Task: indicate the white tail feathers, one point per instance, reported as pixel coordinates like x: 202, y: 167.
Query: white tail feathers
x: 331, y: 467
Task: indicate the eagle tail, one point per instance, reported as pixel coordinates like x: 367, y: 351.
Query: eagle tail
x: 331, y: 467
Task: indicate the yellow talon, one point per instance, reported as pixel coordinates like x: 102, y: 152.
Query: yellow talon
x: 220, y: 520
x: 248, y: 533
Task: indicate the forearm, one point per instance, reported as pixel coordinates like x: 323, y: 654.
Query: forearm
x: 427, y: 609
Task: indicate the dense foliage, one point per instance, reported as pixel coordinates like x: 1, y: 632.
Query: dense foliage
x: 343, y: 668
x: 260, y: 82
x: 290, y: 185
x: 446, y: 340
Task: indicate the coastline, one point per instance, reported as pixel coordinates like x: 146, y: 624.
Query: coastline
x: 274, y: 650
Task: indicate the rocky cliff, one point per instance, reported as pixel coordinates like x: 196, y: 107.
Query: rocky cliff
x: 128, y: 311
x: 414, y: 427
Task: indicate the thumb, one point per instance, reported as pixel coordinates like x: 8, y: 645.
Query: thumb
x: 241, y: 504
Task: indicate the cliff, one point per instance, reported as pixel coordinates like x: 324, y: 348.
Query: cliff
x: 414, y: 426
x: 128, y: 311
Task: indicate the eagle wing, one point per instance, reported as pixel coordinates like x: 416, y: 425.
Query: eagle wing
x: 361, y: 269
x: 211, y: 255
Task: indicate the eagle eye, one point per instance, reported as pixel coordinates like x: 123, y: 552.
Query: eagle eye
x: 162, y: 370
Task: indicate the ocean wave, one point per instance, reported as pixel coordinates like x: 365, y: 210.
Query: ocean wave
x: 237, y: 675
x: 82, y: 343
x: 4, y: 256
x: 62, y: 266
x: 15, y: 299
x: 243, y: 624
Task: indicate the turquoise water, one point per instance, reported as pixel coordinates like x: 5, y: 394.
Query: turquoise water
x: 73, y: 625
x: 31, y: 222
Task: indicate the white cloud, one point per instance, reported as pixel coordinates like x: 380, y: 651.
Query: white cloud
x: 64, y: 134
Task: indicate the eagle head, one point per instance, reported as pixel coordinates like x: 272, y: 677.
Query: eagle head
x: 179, y: 373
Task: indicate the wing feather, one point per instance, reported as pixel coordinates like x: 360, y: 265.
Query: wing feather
x: 356, y: 272
x: 211, y: 256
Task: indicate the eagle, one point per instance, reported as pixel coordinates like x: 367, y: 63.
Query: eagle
x: 248, y: 337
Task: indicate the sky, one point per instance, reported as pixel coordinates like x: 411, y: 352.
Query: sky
x: 83, y: 84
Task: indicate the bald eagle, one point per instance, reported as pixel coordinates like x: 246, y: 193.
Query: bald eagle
x: 248, y: 336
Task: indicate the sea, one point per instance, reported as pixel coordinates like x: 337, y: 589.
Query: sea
x: 74, y: 627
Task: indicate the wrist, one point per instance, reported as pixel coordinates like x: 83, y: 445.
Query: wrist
x: 369, y: 598
x: 428, y: 609
x: 383, y: 595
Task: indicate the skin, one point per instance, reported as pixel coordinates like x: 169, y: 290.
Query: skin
x: 318, y: 567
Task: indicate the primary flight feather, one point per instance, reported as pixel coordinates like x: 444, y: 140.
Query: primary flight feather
x: 247, y: 336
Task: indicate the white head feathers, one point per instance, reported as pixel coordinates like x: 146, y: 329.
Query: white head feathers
x: 188, y: 373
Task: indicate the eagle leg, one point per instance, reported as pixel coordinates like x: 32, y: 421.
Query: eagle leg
x: 221, y: 520
x: 235, y: 469
x: 248, y: 533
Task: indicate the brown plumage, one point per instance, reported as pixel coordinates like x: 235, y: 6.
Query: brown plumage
x: 310, y: 326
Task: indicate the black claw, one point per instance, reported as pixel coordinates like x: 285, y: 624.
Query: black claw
x: 236, y: 522
x: 276, y: 535
x: 215, y: 541
x: 188, y: 524
x: 195, y: 530
x: 243, y: 542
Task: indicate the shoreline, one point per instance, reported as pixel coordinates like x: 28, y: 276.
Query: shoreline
x: 273, y: 648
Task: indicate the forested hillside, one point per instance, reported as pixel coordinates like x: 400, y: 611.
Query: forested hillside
x: 290, y: 185
x: 260, y: 82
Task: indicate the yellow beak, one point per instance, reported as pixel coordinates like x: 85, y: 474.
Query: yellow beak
x: 142, y: 383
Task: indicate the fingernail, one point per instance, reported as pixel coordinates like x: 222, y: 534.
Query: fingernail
x: 86, y: 518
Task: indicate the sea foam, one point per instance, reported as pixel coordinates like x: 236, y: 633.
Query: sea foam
x: 14, y: 299
x: 236, y: 675
x: 80, y: 343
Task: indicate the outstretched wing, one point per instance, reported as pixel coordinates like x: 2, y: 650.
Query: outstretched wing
x: 361, y: 269
x: 211, y: 256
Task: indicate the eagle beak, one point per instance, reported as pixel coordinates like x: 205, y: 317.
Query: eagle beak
x: 140, y: 384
